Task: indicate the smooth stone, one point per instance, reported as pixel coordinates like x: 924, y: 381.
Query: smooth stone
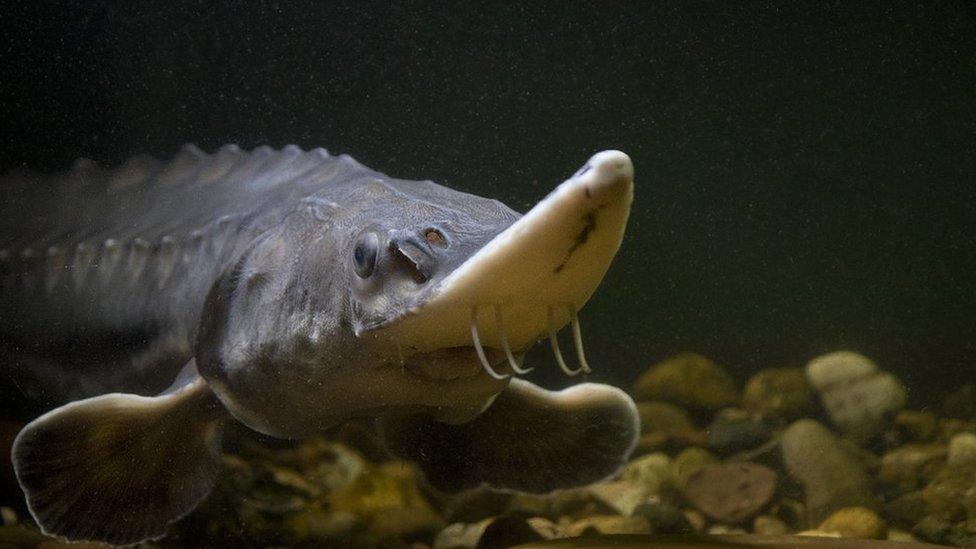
x: 388, y: 497
x: 962, y: 450
x: 689, y: 462
x: 855, y: 522
x: 735, y: 430
x: 664, y: 417
x: 663, y: 517
x: 689, y: 380
x: 945, y: 495
x: 778, y: 393
x: 652, y: 471
x: 495, y: 532
x: 837, y: 368
x: 937, y: 530
x: 608, y: 524
x: 623, y: 496
x: 912, y: 465
x: 906, y: 509
x: 766, y: 525
x: 731, y: 492
x: 916, y: 426
x: 317, y: 524
x: 831, y: 477
x: 862, y: 408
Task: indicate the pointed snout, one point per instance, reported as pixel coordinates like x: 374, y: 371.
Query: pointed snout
x: 536, y: 272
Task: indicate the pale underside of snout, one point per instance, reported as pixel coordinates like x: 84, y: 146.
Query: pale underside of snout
x: 533, y: 276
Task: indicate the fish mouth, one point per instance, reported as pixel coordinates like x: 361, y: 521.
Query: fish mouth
x: 530, y: 279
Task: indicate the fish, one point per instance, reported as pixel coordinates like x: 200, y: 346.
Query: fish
x: 290, y: 290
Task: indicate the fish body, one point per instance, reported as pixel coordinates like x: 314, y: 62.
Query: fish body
x: 292, y: 290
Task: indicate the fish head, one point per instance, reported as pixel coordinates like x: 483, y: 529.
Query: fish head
x: 408, y: 297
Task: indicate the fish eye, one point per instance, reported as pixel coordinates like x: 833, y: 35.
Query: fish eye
x: 364, y: 255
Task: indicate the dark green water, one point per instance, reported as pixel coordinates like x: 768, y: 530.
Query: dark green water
x: 805, y: 172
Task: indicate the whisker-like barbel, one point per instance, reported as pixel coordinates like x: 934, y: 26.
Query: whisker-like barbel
x: 478, y: 349
x: 578, y: 339
x: 512, y: 363
x: 555, y: 347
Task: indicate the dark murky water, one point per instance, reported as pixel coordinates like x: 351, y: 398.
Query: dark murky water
x: 804, y: 184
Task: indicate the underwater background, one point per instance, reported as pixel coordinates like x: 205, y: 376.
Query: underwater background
x: 805, y: 171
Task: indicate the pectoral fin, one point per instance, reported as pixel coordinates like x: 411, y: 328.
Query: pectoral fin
x: 529, y: 439
x: 121, y: 467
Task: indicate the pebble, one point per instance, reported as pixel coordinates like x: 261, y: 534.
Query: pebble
x: 912, y: 465
x: 855, y: 522
x: 962, y: 450
x: 689, y: 462
x: 859, y: 399
x: 831, y: 477
x: 608, y: 524
x: 778, y: 393
x: 945, y: 495
x: 652, y: 471
x: 916, y: 426
x: 663, y: 518
x: 766, y: 525
x: 659, y: 416
x: 495, y: 532
x: 731, y: 492
x: 689, y: 380
x: 735, y: 430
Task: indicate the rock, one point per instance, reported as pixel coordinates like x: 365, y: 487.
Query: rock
x: 689, y: 462
x: 944, y: 496
x: 725, y: 530
x: 608, y: 524
x: 912, y: 465
x: 937, y: 530
x: 859, y: 399
x: 663, y: 518
x: 916, y: 426
x: 731, y: 492
x: 652, y: 471
x: 495, y: 532
x: 818, y: 534
x: 690, y: 381
x: 962, y: 451
x: 695, y: 519
x: 831, y: 477
x: 664, y: 425
x: 778, y: 393
x: 389, y: 499
x: 855, y: 522
x: 576, y: 503
x: 900, y: 536
x: 622, y: 496
x: 658, y: 416
x: 838, y: 368
x: 906, y: 509
x: 766, y: 525
x: 734, y: 430
x: 317, y: 524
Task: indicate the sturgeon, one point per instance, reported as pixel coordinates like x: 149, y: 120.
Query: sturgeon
x: 292, y: 290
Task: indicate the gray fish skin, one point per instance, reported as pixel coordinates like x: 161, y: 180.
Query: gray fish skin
x: 292, y: 291
x: 105, y: 271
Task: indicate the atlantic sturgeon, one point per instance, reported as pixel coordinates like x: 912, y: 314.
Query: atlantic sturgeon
x: 292, y: 290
